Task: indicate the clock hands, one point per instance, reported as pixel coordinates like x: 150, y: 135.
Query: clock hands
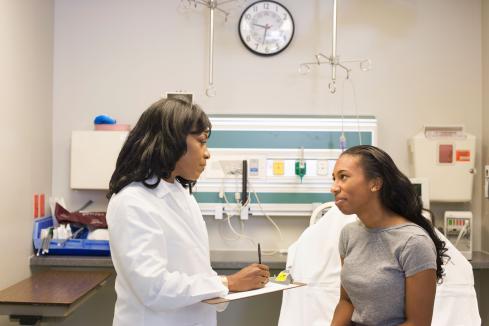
x: 262, y: 26
x: 266, y: 28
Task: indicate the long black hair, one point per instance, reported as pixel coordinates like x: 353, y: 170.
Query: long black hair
x: 157, y: 142
x: 398, y: 194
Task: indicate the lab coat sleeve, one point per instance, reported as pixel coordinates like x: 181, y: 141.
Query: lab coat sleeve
x: 139, y: 249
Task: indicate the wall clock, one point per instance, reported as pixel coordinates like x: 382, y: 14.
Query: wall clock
x: 266, y: 27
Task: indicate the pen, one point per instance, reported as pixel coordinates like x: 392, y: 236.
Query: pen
x: 259, y: 254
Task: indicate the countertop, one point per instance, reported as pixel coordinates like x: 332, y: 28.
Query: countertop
x: 220, y: 259
x: 224, y: 259
x: 50, y: 294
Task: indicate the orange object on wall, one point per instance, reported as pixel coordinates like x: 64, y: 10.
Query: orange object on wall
x: 462, y: 156
x: 36, y: 205
x: 41, y: 205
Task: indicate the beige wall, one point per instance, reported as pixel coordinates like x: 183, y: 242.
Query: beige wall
x: 117, y: 57
x: 26, y: 71
x: 485, y: 115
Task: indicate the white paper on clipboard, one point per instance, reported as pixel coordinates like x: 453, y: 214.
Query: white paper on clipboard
x: 269, y: 287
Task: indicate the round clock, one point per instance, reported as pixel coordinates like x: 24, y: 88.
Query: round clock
x: 266, y: 27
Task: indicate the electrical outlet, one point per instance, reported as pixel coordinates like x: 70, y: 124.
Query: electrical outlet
x: 218, y: 212
x: 254, y: 168
x: 245, y: 213
x: 322, y: 167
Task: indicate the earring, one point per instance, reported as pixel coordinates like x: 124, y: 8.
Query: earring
x: 373, y: 189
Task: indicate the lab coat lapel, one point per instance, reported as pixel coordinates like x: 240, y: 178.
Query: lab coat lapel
x: 188, y: 211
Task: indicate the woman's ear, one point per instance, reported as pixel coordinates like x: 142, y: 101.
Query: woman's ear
x: 376, y: 184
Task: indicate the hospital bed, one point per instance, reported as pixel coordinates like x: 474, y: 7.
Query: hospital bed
x: 314, y: 259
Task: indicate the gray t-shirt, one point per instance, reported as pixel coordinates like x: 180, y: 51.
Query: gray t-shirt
x: 376, y: 262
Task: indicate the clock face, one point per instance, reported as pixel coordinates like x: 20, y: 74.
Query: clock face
x: 266, y: 27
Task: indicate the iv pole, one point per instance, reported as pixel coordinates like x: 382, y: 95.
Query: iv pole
x: 211, y: 90
x: 333, y: 60
x: 213, y: 5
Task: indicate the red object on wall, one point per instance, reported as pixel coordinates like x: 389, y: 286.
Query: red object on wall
x: 445, y: 153
x: 41, y: 205
x: 36, y: 205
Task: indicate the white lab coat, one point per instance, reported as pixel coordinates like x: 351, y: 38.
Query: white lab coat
x: 160, y: 250
x: 314, y: 259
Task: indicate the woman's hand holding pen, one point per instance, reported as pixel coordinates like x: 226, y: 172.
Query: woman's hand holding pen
x: 251, y: 277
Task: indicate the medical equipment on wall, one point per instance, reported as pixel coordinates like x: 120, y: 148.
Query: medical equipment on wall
x: 300, y: 166
x: 268, y: 148
x: 458, y: 229
x: 272, y: 145
x: 333, y: 59
x: 445, y: 155
x: 242, y: 206
x: 212, y: 5
x: 244, y: 188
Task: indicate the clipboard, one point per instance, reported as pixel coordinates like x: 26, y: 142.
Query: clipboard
x: 269, y: 288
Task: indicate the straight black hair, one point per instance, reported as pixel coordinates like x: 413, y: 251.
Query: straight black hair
x: 157, y: 142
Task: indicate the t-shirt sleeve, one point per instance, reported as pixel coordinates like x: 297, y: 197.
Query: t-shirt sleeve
x: 343, y: 242
x: 419, y: 254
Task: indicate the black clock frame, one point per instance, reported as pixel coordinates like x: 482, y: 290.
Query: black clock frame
x: 260, y: 53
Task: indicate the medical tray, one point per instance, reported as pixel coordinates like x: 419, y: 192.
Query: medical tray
x: 72, y: 247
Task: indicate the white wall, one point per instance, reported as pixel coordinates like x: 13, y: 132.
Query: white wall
x: 117, y: 57
x: 26, y: 55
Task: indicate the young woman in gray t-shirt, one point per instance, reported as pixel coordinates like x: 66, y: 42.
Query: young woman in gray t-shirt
x: 392, y: 258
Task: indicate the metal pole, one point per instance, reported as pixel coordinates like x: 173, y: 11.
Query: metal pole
x: 211, y: 43
x: 333, y: 55
x: 334, y: 28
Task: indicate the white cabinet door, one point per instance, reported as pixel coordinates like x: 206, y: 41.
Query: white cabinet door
x: 93, y: 157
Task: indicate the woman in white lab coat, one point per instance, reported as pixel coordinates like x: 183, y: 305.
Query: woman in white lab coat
x: 158, y: 238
